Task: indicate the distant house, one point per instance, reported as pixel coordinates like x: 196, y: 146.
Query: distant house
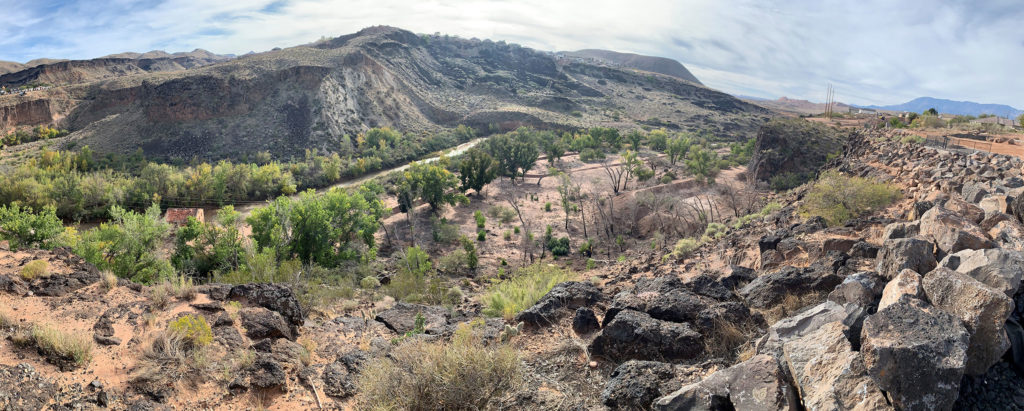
x: 860, y: 110
x: 179, y: 216
x: 996, y: 120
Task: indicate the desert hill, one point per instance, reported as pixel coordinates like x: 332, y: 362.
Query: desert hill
x: 67, y: 72
x: 319, y: 95
x: 653, y: 64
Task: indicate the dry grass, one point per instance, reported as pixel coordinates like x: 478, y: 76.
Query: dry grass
x: 170, y: 359
x: 308, y: 349
x: 35, y: 269
x: 108, y: 281
x: 461, y: 375
x: 183, y: 288
x: 5, y: 320
x: 791, y: 304
x: 64, y: 349
x: 726, y: 338
x: 160, y: 296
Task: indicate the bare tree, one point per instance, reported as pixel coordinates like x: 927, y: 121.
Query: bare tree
x: 513, y: 200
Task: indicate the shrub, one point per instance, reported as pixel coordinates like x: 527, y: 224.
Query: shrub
x: 559, y: 246
x: 62, y: 348
x: 714, y: 231
x: 515, y: 230
x: 444, y: 232
x: 453, y: 262
x: 23, y: 228
x: 503, y: 214
x: 183, y: 288
x: 591, y: 155
x: 765, y: 211
x: 507, y: 235
x: 193, y: 330
x: 480, y: 219
x: 547, y: 206
x: 160, y: 296
x: 838, y: 198
x: 481, y: 235
x: 35, y: 269
x: 472, y: 259
x: 684, y: 247
x: 369, y: 282
x: 525, y: 288
x: 665, y: 179
x: 912, y: 140
x: 587, y: 248
x: 591, y: 264
x: 788, y: 181
x: 464, y: 374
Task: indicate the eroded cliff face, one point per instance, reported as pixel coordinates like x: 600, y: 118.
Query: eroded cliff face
x: 18, y: 111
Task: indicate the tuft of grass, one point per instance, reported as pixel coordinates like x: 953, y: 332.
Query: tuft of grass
x: 684, y: 247
x: 62, y: 348
x: 108, y: 281
x: 308, y: 348
x: 464, y: 374
x: 160, y: 296
x: 169, y: 360
x: 838, y: 198
x: 5, y: 320
x: 183, y: 288
x: 523, y: 290
x: 35, y: 269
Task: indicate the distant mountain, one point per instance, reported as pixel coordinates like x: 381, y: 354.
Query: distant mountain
x: 966, y: 108
x: 653, y: 64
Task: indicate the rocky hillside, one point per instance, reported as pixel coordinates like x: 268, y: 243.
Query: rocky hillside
x: 70, y: 72
x: 652, y: 64
x: 319, y: 95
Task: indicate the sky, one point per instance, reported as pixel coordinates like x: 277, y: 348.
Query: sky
x: 872, y: 51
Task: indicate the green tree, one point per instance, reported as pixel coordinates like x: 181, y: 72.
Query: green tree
x: 128, y: 245
x: 435, y: 184
x: 476, y: 170
x: 554, y: 149
x: 703, y: 164
x: 23, y: 228
x: 635, y: 138
x: 515, y: 152
x: 931, y: 112
x: 203, y: 248
x: 323, y: 229
x: 677, y: 148
x: 657, y: 140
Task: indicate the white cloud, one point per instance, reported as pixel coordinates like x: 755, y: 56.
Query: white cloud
x: 874, y: 51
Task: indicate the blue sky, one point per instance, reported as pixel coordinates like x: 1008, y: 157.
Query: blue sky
x: 873, y: 51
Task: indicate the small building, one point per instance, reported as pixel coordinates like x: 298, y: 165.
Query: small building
x: 179, y: 216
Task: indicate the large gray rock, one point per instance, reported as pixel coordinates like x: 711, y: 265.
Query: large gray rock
x: 983, y: 310
x: 829, y: 374
x: 770, y: 289
x: 863, y: 288
x: 807, y: 322
x: 916, y: 354
x: 636, y: 384
x: 906, y: 284
x: 559, y: 301
x: 995, y: 203
x: 952, y: 232
x: 635, y: 335
x: 402, y: 318
x: 998, y: 268
x: 901, y: 230
x: 905, y: 253
x: 1008, y: 234
x: 968, y: 211
x: 755, y: 384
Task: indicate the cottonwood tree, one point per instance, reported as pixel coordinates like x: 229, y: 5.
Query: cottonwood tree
x: 703, y: 164
x: 677, y: 148
x: 477, y: 169
x: 515, y: 152
x: 435, y: 185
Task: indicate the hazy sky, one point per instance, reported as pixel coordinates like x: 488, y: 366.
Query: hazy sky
x: 873, y: 51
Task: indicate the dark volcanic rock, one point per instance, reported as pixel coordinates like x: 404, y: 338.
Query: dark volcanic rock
x: 562, y: 297
x: 664, y: 298
x: 260, y: 323
x: 915, y: 353
x: 756, y: 384
x: 635, y: 335
x: 584, y: 321
x: 769, y: 289
x: 274, y: 297
x: 636, y: 384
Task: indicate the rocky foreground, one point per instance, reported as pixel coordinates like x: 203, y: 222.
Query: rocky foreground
x: 915, y: 307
